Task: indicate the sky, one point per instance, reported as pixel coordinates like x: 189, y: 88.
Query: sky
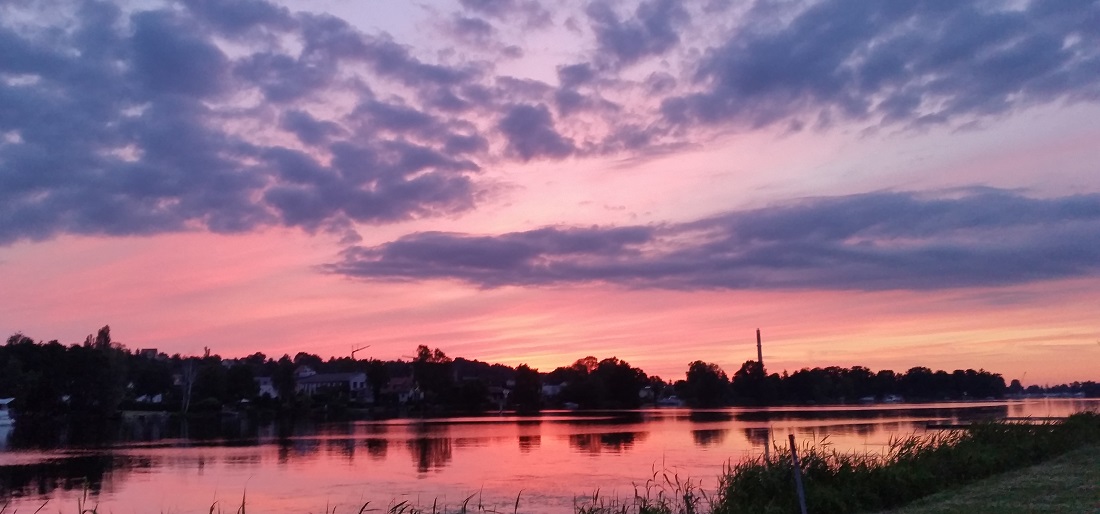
x: 886, y: 184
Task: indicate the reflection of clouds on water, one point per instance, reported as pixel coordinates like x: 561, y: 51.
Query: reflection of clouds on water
x: 615, y: 442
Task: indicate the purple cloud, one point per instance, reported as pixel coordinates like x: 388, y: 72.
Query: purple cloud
x: 980, y: 237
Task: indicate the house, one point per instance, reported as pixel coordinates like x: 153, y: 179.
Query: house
x: 267, y: 387
x: 354, y: 385
x: 303, y: 371
x: 404, y: 389
x: 148, y: 353
x: 5, y: 412
x: 550, y: 391
x: 499, y: 396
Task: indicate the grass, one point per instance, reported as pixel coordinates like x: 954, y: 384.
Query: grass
x: 1069, y: 484
x: 914, y: 467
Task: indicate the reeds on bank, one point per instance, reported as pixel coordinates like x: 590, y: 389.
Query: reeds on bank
x: 912, y: 467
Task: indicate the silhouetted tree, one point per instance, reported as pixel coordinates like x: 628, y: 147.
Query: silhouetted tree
x: 241, y: 383
x: 432, y: 370
x: 527, y: 394
x: 706, y: 386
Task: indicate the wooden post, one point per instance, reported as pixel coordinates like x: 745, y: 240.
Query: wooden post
x: 797, y: 476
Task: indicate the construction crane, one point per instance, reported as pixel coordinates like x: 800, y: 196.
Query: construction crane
x: 354, y: 349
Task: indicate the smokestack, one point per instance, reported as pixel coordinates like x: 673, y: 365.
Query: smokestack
x: 759, y: 351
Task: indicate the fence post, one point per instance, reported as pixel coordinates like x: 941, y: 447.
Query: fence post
x: 797, y: 476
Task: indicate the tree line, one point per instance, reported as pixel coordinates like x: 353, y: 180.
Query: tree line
x: 100, y: 377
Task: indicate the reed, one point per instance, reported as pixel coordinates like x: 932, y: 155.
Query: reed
x: 911, y: 468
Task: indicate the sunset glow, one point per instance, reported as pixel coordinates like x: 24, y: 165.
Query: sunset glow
x: 523, y: 182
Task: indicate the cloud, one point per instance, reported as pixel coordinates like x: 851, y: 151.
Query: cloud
x: 141, y: 122
x: 531, y: 12
x: 229, y: 116
x: 170, y: 59
x: 652, y: 31
x: 529, y: 130
x: 873, y: 241
x: 912, y: 63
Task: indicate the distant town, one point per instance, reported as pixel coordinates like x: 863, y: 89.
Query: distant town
x: 100, y: 378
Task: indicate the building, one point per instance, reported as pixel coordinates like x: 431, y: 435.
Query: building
x: 404, y: 389
x: 266, y: 387
x: 354, y: 385
x: 148, y: 353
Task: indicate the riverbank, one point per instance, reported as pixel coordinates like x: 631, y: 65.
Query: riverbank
x: 912, y: 468
x: 1069, y: 484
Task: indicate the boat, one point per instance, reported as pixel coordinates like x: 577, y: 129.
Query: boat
x: 5, y: 411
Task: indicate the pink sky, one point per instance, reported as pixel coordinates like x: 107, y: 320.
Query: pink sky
x: 224, y: 198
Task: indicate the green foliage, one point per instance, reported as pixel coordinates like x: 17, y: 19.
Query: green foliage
x: 912, y: 468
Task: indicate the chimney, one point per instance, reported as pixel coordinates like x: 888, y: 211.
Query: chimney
x: 759, y: 351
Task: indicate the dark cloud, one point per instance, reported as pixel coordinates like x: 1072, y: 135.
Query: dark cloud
x: 237, y: 17
x: 284, y: 78
x: 310, y: 130
x: 472, y: 29
x: 530, y: 12
x: 529, y: 130
x: 170, y: 58
x: 574, y: 75
x: 569, y: 102
x: 231, y: 115
x: 979, y: 237
x: 911, y: 63
x: 139, y: 123
x: 652, y: 31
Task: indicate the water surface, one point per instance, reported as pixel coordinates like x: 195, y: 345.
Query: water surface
x: 548, y: 461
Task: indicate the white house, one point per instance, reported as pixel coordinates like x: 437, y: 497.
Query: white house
x: 5, y: 412
x: 267, y: 386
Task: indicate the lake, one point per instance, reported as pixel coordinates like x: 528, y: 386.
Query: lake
x: 548, y: 461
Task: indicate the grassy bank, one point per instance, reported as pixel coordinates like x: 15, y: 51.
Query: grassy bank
x: 1069, y: 484
x: 912, y: 468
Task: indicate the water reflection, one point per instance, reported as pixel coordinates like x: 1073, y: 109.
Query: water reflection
x: 759, y: 437
x: 529, y: 435
x: 614, y: 442
x: 430, y: 447
x: 49, y: 462
x: 709, y: 437
x: 376, y: 447
x: 76, y: 472
x: 710, y: 416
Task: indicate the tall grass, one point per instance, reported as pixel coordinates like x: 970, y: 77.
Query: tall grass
x: 912, y: 467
